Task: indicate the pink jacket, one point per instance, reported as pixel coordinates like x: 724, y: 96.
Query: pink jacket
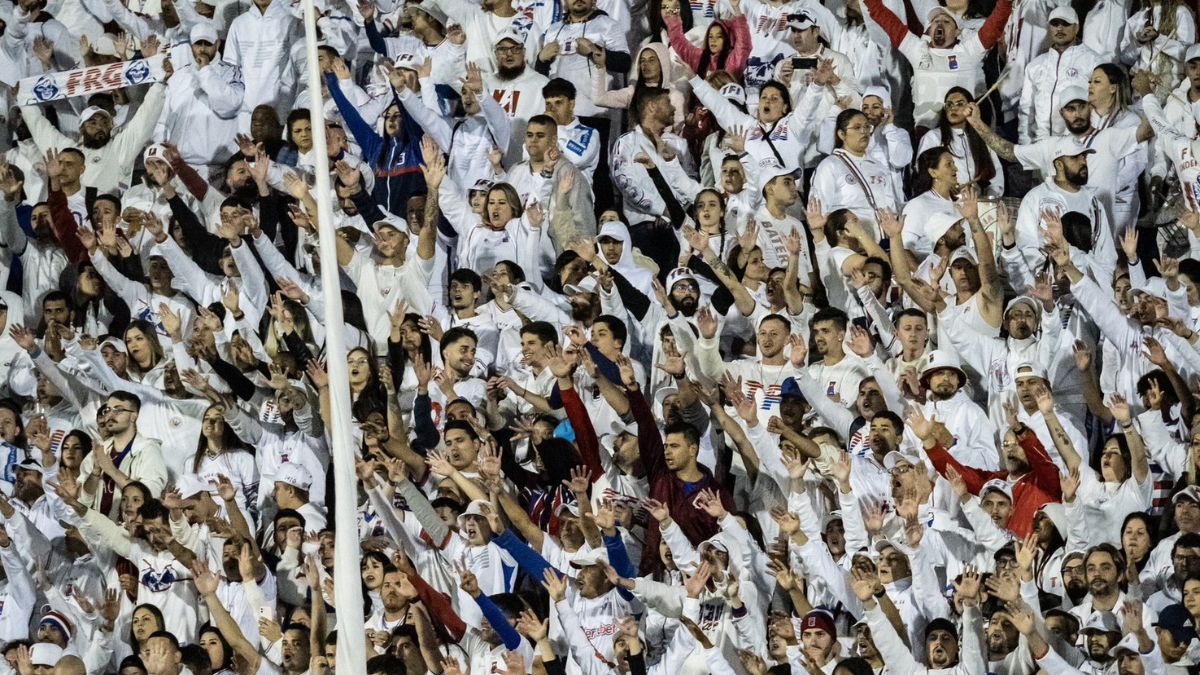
x: 739, y: 50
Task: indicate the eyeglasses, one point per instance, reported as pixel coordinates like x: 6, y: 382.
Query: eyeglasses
x: 105, y: 410
x: 510, y: 49
x: 861, y: 128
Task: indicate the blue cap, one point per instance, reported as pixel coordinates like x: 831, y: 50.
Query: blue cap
x: 565, y: 431
x: 790, y: 388
x: 1176, y: 620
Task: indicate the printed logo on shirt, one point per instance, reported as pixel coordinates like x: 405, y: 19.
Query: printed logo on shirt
x: 772, y: 395
x: 568, y: 46
x: 579, y: 145
x: 508, y: 100
x: 158, y: 582
x: 704, y: 8
x: 952, y: 62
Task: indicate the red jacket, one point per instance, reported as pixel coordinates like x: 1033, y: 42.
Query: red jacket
x: 1039, y: 486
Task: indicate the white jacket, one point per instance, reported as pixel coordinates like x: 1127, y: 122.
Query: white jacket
x: 260, y: 44
x: 1045, y: 78
x: 201, y: 112
x: 109, y: 167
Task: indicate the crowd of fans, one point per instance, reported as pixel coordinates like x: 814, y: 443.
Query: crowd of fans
x: 740, y: 336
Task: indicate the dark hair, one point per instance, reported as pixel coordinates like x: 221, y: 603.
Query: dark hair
x: 837, y: 316
x: 544, y: 331
x: 461, y: 425
x: 777, y: 317
x: 1151, y: 530
x: 1077, y: 230
x: 454, y: 335
x: 643, y: 96
x: 74, y: 151
x: 1117, y: 75
x: 385, y: 664
x: 913, y: 312
x: 544, y: 120
x: 892, y: 417
x: 131, y: 661
x: 559, y: 87
x: 466, y: 275
x: 558, y: 456
x: 148, y: 331
x: 127, y: 397
x: 230, y: 442
x: 835, y: 222
x: 854, y: 665
x: 287, y: 513
x: 922, y: 182
x: 85, y: 443
x: 706, y: 57
x: 615, y: 326
x: 515, y: 272
x: 985, y: 171
x: 1169, y: 397
x: 843, y: 121
x: 293, y: 117
x: 689, y: 432
x: 885, y: 273
x: 1117, y: 556
x: 166, y: 635
x: 781, y: 89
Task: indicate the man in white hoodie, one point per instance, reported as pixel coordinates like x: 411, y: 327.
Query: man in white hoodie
x: 974, y: 433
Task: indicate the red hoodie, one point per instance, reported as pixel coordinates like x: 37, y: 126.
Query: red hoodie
x: 1039, y: 486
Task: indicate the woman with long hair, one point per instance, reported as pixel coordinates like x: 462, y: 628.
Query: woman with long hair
x: 1155, y: 39
x: 1139, y: 537
x: 220, y: 654
x: 505, y: 230
x: 975, y: 161
x: 1110, y: 96
x: 1097, y: 502
x: 220, y: 453
x: 934, y: 186
x: 726, y: 44
x: 75, y: 446
x: 146, y: 364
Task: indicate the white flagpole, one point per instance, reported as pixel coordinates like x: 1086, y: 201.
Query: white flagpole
x: 351, y: 643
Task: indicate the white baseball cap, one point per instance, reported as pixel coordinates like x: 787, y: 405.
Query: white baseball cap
x: 203, y: 32
x: 294, y: 475
x: 1064, y: 13
x: 90, y: 112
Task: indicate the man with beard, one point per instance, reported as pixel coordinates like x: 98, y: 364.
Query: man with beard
x: 761, y: 377
x: 395, y: 595
x: 853, y: 424
x: 1185, y: 560
x: 642, y: 160
x: 1067, y: 62
x: 974, y: 434
x: 108, y: 157
x: 1111, y: 144
x: 939, y: 639
x: 837, y: 373
x: 1068, y: 189
x: 1104, y: 569
x: 466, y: 288
x: 516, y: 88
x: 940, y: 59
x: 31, y: 499
x: 124, y: 456
x: 1029, y: 474
x: 1185, y: 514
x: 1030, y: 340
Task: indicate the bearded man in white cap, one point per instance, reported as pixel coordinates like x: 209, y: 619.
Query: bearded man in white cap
x: 108, y: 157
x: 974, y: 433
x: 1066, y: 63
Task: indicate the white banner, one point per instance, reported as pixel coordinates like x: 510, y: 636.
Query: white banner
x: 48, y: 87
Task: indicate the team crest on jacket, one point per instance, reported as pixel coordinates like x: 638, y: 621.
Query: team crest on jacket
x: 160, y: 581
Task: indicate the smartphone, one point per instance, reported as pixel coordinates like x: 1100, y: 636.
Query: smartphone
x: 266, y: 612
x: 804, y: 62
